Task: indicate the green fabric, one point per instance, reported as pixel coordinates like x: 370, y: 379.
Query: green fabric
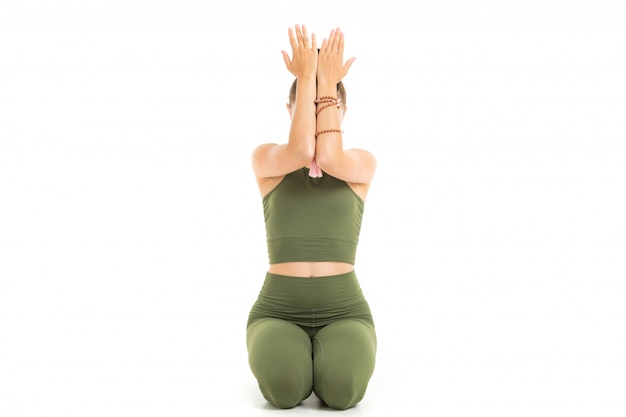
x: 311, y: 335
x: 312, y: 219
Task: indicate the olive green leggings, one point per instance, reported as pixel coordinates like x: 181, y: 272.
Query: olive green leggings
x: 311, y: 334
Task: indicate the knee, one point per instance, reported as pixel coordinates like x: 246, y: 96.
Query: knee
x: 285, y: 390
x: 340, y: 392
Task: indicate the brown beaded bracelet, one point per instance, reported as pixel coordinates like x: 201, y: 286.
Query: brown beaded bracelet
x: 327, y: 99
x: 328, y: 131
x: 325, y: 107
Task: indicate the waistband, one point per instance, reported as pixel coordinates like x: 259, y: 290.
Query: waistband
x: 332, y: 290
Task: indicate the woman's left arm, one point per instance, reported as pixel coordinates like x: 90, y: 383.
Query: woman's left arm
x: 353, y: 165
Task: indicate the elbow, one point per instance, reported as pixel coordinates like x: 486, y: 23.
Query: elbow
x: 326, y: 160
x: 303, y: 151
x: 307, y: 151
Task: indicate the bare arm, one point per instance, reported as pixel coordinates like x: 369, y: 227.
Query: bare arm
x: 274, y: 160
x: 353, y: 165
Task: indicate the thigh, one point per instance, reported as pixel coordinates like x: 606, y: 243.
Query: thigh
x: 345, y: 343
x: 280, y: 357
x: 344, y: 355
x: 273, y: 342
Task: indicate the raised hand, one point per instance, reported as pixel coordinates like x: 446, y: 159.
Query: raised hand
x: 330, y: 65
x: 304, y: 53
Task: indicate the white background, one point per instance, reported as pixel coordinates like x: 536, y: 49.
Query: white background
x: 131, y: 232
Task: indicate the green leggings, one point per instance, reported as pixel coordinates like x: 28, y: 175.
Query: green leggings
x: 311, y: 334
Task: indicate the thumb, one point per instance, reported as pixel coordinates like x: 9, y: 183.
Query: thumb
x: 348, y: 64
x: 286, y: 59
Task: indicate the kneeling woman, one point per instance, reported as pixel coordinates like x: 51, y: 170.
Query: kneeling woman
x: 311, y: 328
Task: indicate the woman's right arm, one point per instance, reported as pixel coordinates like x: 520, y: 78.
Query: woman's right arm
x: 274, y: 160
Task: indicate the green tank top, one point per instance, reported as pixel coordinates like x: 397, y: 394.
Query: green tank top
x: 312, y: 219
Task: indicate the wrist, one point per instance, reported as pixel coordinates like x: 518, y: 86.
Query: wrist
x: 306, y: 78
x: 326, y: 89
x: 325, y: 81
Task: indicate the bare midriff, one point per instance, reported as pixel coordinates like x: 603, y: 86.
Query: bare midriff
x: 311, y: 269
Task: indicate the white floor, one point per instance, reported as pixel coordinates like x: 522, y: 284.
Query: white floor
x: 447, y: 347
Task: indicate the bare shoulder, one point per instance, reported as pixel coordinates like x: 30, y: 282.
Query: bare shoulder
x: 277, y: 160
x: 364, y: 155
x: 260, y: 156
x: 261, y: 150
x: 264, y: 165
x: 360, y: 165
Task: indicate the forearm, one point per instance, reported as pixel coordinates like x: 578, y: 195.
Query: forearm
x: 329, y: 145
x: 302, y: 131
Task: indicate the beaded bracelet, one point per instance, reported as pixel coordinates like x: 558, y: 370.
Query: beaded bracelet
x: 331, y: 101
x: 325, y: 107
x: 327, y: 99
x: 328, y: 131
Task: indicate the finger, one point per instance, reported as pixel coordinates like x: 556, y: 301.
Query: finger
x: 324, y: 46
x: 305, y: 36
x: 292, y: 40
x: 299, y: 36
x: 341, y: 42
x: 331, y: 40
x: 335, y: 44
x: 313, y: 42
x: 338, y: 38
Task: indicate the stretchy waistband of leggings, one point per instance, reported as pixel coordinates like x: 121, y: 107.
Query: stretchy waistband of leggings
x: 311, y: 303
x: 332, y: 290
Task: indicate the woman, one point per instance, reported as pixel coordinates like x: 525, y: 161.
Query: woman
x: 311, y: 328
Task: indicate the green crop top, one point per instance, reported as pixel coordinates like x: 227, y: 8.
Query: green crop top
x: 312, y: 219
